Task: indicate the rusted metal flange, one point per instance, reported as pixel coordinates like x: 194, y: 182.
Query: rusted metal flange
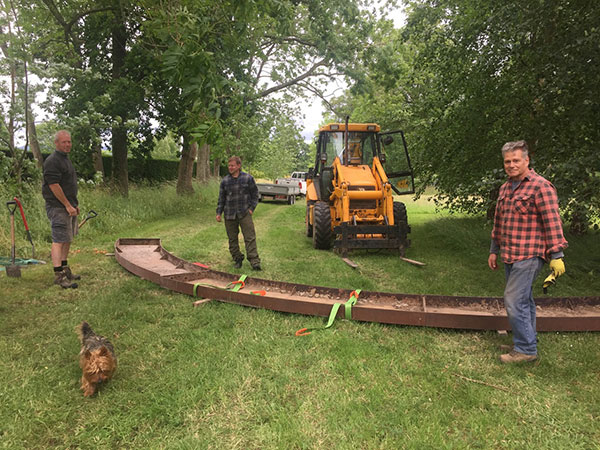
x: 149, y: 260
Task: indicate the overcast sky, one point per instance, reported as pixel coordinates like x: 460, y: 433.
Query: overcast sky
x: 312, y: 108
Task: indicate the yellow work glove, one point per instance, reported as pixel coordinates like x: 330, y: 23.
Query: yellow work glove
x: 549, y: 281
x: 558, y: 267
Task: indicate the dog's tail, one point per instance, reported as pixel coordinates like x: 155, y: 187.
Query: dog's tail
x: 84, y: 331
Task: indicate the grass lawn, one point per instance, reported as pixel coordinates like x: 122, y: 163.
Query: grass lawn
x: 227, y: 376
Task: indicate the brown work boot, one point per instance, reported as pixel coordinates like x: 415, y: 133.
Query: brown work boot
x: 70, y: 275
x: 515, y: 357
x: 61, y: 279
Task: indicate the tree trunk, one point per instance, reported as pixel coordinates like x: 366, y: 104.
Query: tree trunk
x: 207, y: 163
x: 34, y: 144
x: 203, y: 163
x: 186, y: 166
x: 216, y: 165
x: 17, y: 82
x: 11, y: 114
x: 11, y: 126
x: 119, y: 131
x: 119, y: 160
x: 97, y: 157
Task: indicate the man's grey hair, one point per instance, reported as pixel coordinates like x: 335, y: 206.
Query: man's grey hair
x: 59, y: 132
x: 516, y: 145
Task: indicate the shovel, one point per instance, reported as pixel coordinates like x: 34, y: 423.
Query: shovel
x: 12, y: 270
x: 26, y: 227
x: 89, y: 216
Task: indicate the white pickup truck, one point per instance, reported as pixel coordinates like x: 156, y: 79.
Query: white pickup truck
x: 297, y: 179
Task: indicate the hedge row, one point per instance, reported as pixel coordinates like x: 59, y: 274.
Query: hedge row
x: 153, y: 170
x: 145, y: 169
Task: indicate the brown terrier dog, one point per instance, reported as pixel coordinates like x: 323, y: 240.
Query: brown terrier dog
x: 97, y: 359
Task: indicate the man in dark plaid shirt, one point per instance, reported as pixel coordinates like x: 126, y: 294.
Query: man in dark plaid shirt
x: 238, y: 197
x: 527, y: 231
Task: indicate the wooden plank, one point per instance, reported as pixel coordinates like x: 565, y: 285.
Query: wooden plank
x: 350, y: 263
x: 412, y: 261
x: 201, y: 302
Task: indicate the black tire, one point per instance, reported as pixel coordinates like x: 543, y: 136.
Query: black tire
x: 309, y: 226
x: 291, y: 199
x: 401, y: 218
x: 259, y: 198
x: 400, y: 215
x: 322, y: 232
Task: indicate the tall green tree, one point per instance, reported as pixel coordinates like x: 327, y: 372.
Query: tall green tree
x: 97, y: 66
x: 221, y: 61
x: 18, y: 93
x: 281, y: 147
x: 465, y: 76
x: 498, y: 71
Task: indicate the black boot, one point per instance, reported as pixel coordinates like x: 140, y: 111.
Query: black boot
x: 70, y: 275
x: 61, y: 279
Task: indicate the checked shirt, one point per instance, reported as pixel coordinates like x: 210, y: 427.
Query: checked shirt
x: 527, y: 222
x: 237, y: 196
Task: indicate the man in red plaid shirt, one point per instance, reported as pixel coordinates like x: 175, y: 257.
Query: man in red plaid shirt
x: 527, y: 231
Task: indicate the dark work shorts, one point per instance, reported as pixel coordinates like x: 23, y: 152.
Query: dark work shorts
x: 64, y: 227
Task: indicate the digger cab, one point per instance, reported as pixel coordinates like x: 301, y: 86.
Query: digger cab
x: 331, y: 144
x: 348, y: 189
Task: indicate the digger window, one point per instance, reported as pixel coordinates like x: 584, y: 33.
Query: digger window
x: 369, y: 147
x: 361, y: 147
x: 334, y: 146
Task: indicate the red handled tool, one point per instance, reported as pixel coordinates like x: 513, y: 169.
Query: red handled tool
x: 12, y: 270
x: 26, y: 227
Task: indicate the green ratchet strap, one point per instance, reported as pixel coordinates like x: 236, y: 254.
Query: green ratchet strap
x: 333, y: 314
x: 350, y: 303
x: 234, y: 286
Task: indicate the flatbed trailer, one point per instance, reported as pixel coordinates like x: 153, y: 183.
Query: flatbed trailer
x: 269, y: 191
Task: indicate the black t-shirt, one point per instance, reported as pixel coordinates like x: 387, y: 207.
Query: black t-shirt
x: 58, y: 169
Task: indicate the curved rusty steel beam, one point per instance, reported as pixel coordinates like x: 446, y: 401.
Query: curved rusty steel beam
x: 150, y: 261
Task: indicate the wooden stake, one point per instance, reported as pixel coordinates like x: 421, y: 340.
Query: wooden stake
x: 201, y: 302
x: 412, y: 261
x: 350, y: 263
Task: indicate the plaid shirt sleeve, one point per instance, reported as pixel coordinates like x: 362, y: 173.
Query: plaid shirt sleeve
x: 547, y: 205
x: 527, y: 221
x: 253, y: 191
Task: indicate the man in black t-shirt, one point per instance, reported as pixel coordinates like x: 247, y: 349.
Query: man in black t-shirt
x: 59, y: 190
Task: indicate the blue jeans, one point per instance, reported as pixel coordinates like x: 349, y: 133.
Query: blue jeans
x: 519, y: 303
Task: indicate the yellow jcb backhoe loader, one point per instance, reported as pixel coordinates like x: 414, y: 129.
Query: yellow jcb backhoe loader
x: 349, y: 197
